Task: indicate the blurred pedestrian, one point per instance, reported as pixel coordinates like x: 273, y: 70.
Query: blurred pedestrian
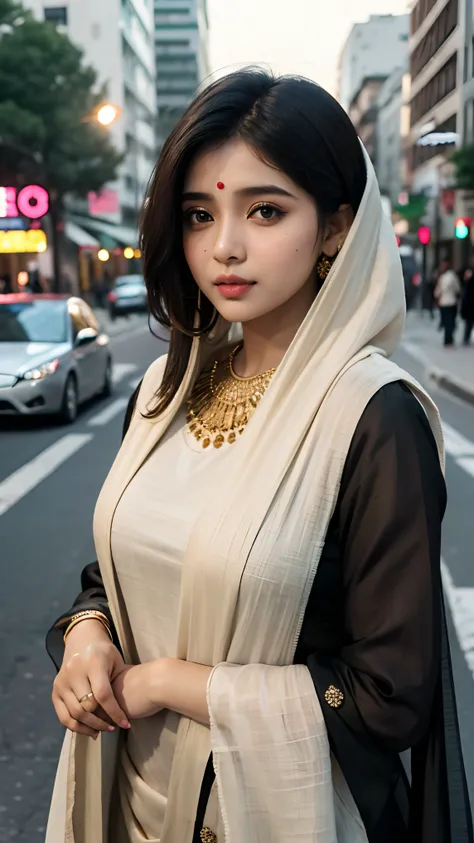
x: 467, y: 304
x: 265, y: 623
x: 447, y: 294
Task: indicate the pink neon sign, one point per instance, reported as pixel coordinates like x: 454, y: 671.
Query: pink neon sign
x: 31, y: 201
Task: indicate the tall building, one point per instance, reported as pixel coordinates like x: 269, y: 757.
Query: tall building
x: 436, y: 65
x: 181, y: 49
x: 372, y: 51
x: 393, y: 126
x: 117, y: 39
x: 363, y: 113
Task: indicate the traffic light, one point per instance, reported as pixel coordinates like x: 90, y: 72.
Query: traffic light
x: 424, y: 235
x: 462, y: 227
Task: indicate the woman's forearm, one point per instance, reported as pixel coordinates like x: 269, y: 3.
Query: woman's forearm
x: 182, y: 687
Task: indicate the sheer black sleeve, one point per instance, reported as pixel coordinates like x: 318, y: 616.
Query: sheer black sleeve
x: 92, y: 595
x: 388, y: 526
x: 388, y: 519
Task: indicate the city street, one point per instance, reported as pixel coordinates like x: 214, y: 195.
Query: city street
x: 49, y: 480
x: 45, y: 540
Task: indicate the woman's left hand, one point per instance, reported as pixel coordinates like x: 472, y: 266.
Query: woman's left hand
x: 137, y: 690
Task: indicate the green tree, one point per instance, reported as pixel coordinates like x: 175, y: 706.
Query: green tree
x: 463, y: 160
x: 47, y: 97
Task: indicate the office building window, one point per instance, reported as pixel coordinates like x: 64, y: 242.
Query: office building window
x: 438, y: 33
x: 167, y: 10
x: 56, y: 15
x: 442, y: 84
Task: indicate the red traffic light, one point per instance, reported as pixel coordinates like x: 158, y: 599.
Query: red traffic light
x: 424, y: 235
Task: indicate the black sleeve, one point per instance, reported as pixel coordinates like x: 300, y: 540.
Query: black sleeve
x: 388, y: 519
x: 390, y: 509
x: 92, y: 595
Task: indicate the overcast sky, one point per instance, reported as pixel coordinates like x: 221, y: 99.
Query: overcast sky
x: 292, y: 36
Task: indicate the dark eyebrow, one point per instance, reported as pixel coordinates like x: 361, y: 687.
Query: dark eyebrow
x: 257, y: 190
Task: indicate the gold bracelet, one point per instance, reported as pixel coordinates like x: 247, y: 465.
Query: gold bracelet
x: 89, y: 614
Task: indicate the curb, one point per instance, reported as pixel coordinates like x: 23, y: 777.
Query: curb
x: 450, y: 383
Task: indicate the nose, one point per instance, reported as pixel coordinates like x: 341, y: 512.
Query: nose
x: 229, y: 247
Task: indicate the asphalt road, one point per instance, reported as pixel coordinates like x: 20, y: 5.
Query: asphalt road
x: 46, y: 538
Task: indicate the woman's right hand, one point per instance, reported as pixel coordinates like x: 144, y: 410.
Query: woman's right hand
x: 91, y: 663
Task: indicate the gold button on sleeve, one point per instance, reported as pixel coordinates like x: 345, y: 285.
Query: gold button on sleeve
x: 334, y: 697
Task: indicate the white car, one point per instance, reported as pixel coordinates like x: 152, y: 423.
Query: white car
x: 53, y: 355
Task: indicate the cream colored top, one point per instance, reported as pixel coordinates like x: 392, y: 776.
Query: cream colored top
x: 150, y: 533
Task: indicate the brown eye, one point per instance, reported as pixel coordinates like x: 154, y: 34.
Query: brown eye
x: 197, y: 216
x: 267, y: 212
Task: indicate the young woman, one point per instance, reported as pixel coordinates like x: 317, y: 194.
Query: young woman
x: 264, y: 632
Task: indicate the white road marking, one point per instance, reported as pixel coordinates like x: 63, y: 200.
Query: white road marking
x: 467, y: 463
x: 22, y: 481
x: 121, y: 370
x: 461, y: 604
x: 456, y: 444
x: 108, y: 413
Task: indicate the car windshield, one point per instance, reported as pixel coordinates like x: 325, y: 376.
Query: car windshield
x: 123, y: 280
x: 35, y: 321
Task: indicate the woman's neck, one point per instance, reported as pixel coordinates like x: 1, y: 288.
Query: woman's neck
x: 267, y: 339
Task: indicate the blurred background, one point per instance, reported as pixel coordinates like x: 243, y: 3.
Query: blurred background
x: 89, y: 91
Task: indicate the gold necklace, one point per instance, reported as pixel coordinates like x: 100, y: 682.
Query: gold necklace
x: 219, y: 412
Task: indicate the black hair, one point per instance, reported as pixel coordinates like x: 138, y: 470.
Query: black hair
x: 294, y: 125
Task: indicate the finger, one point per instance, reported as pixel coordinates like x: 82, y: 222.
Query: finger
x: 104, y: 696
x: 99, y: 712
x: 70, y: 723
x: 77, y: 712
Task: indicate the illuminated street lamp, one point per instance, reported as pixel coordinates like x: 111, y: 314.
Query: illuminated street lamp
x: 105, y: 114
x: 108, y: 114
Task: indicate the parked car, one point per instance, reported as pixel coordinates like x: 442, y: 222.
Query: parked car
x: 53, y: 355
x: 128, y: 296
x: 411, y: 275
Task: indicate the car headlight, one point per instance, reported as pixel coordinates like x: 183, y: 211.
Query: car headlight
x: 42, y: 371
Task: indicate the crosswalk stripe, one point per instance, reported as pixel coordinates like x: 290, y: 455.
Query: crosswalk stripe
x: 456, y: 444
x: 121, y: 370
x: 22, y: 481
x: 461, y: 604
x: 108, y: 413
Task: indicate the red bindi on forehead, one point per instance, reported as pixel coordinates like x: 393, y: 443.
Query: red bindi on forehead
x: 220, y: 185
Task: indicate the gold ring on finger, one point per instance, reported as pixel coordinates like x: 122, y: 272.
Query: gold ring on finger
x: 86, y: 697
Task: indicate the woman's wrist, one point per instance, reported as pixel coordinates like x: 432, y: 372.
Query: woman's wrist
x: 90, y: 629
x: 181, y: 686
x: 87, y: 614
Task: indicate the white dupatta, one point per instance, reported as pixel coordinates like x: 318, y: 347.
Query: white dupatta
x: 276, y: 780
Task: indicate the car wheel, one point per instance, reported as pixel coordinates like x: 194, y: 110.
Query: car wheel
x: 69, y: 404
x: 108, y: 383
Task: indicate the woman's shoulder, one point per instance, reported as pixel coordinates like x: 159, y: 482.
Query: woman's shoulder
x: 394, y: 413
x: 393, y: 429
x: 393, y: 444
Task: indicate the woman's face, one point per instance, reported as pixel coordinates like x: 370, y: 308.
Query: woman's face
x: 251, y: 236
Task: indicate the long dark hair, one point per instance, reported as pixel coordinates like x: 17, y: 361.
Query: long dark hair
x: 294, y: 125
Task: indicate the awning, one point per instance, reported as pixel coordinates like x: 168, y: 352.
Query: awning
x: 121, y: 234
x: 77, y: 235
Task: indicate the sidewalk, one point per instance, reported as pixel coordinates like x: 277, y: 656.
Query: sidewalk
x: 452, y: 369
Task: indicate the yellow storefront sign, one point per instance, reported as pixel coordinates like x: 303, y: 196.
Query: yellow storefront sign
x: 13, y: 242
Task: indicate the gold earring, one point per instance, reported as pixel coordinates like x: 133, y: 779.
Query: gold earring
x: 324, y: 263
x: 323, y: 266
